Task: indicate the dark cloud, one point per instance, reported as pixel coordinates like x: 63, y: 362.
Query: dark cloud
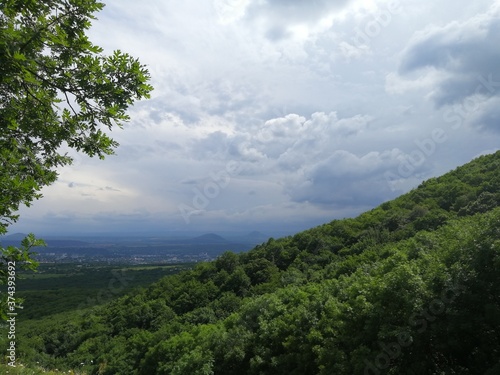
x: 214, y: 145
x: 466, y: 55
x: 277, y: 33
x: 345, y: 179
x: 168, y: 145
x: 489, y: 117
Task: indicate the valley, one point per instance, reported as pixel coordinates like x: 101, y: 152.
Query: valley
x: 410, y: 287
x: 114, y: 249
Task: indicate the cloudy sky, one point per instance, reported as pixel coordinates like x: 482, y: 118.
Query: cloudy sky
x: 277, y: 115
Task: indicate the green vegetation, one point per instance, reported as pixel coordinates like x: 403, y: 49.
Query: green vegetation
x: 22, y: 370
x: 410, y: 287
x: 57, y: 288
x: 56, y: 89
x: 46, y: 56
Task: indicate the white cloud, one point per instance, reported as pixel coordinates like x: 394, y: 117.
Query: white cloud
x: 280, y: 20
x: 228, y: 11
x: 427, y: 79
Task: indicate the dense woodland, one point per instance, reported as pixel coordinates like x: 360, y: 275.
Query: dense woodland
x: 410, y: 287
x: 57, y: 288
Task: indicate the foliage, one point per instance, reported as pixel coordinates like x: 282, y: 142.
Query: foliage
x: 46, y: 56
x: 62, y: 287
x: 57, y: 92
x: 13, y: 260
x: 410, y: 287
x: 23, y: 370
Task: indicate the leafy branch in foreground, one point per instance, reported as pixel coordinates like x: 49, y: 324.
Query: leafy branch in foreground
x: 57, y: 91
x: 12, y: 260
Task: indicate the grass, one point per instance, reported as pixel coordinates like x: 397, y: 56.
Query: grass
x: 23, y: 370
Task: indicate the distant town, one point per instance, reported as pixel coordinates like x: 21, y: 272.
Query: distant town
x: 137, y: 250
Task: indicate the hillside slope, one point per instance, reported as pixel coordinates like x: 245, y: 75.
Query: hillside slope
x: 410, y: 287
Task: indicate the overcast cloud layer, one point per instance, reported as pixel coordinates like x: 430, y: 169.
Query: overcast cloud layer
x: 281, y: 115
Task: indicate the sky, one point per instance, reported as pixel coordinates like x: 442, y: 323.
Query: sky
x: 278, y: 116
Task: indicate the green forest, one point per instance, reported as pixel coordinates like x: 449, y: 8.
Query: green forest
x: 410, y: 287
x: 57, y: 288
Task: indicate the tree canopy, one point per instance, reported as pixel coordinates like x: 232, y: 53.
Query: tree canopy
x: 58, y: 91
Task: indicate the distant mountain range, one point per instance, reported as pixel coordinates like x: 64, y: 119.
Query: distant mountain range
x: 125, y: 247
x: 16, y: 238
x: 209, y: 238
x: 254, y: 237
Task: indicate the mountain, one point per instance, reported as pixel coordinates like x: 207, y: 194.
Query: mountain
x: 254, y: 238
x: 409, y: 287
x: 12, y: 239
x: 209, y: 238
x: 15, y: 237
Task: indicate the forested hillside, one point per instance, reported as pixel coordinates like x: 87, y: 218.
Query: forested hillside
x: 410, y: 287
